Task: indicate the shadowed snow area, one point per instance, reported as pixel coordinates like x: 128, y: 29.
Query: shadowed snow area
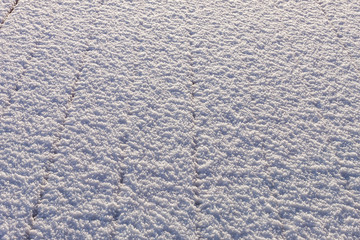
x: 209, y: 119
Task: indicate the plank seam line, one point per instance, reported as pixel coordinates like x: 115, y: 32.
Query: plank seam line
x: 54, y: 148
x: 12, y: 8
x: 194, y: 141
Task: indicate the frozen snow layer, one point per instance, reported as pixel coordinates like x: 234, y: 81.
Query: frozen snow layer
x: 180, y: 120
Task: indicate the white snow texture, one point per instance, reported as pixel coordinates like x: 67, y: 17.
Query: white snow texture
x: 179, y: 119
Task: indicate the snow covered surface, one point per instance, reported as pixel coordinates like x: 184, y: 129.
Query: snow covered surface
x: 208, y: 119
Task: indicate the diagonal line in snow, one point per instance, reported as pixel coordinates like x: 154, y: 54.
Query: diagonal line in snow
x: 194, y: 141
x: 54, y: 147
x: 12, y: 8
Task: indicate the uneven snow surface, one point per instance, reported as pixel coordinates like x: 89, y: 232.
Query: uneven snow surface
x: 175, y: 119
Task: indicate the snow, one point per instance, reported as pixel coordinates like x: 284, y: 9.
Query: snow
x: 179, y: 119
x: 5, y: 8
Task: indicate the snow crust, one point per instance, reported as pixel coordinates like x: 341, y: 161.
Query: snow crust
x: 206, y: 119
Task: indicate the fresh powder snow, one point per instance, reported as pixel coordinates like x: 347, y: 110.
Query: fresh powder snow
x: 179, y: 119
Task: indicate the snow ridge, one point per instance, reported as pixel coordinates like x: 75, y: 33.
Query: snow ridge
x: 12, y: 8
